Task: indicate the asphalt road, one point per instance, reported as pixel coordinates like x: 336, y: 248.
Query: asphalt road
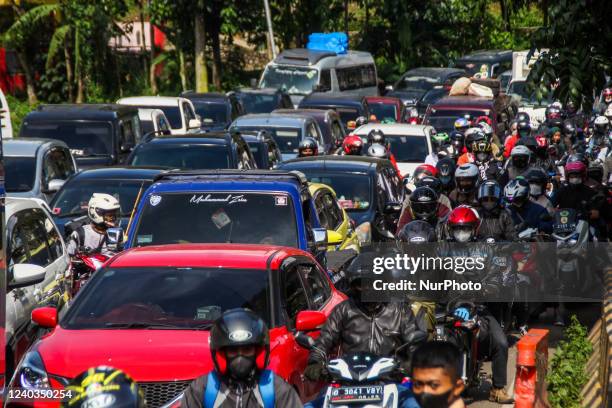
x: 587, y: 314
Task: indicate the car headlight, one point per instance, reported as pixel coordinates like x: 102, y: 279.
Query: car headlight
x: 31, y: 373
x: 364, y: 233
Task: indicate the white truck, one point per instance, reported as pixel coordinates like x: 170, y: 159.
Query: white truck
x: 6, y: 128
x: 521, y: 65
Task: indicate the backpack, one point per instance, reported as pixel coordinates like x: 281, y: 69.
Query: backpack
x: 266, y: 389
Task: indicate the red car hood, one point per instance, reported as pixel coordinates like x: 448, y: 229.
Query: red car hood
x: 146, y: 355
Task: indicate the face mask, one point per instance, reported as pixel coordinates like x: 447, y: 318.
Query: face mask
x: 575, y: 181
x: 519, y: 163
x: 489, y: 205
x: 462, y: 235
x: 535, y: 190
x: 482, y: 157
x: 427, y: 400
x: 241, y: 367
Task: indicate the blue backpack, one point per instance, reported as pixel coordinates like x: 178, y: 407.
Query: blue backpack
x: 266, y: 389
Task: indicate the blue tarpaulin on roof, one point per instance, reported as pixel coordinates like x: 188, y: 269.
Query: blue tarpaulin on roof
x: 333, y: 42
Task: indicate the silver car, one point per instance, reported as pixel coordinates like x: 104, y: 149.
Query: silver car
x: 36, y: 167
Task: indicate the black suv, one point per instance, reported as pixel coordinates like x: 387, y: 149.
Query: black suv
x: 263, y: 100
x: 96, y: 134
x: 216, y: 110
x: 195, y: 151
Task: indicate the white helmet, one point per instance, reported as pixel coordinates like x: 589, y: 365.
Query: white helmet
x: 601, y: 124
x: 608, y: 112
x: 101, y: 205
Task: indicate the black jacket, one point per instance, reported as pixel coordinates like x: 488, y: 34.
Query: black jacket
x: 349, y: 327
x: 238, y: 397
x: 496, y: 224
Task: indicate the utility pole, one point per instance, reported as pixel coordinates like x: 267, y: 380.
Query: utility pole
x: 270, y: 31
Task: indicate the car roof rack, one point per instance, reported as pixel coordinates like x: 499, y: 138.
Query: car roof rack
x: 224, y: 174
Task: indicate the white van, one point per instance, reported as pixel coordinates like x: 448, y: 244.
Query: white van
x: 301, y: 71
x: 179, y: 111
x: 6, y: 128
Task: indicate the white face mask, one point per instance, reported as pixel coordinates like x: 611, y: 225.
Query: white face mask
x: 462, y: 235
x: 535, y: 190
x: 575, y: 181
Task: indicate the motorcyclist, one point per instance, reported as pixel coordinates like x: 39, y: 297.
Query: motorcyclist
x: 601, y: 128
x: 356, y: 325
x: 512, y: 139
x: 421, y: 171
x: 462, y: 224
x: 308, y: 147
x: 423, y: 205
x: 520, y: 159
x: 496, y: 221
x: 596, y: 185
x: 436, y: 185
x: 438, y: 142
x: 540, y: 156
x: 240, y: 350
x: 553, y: 117
x: 458, y: 141
x: 538, y: 182
x: 103, y: 384
x: 352, y: 145
x: 446, y: 174
x: 523, y: 130
x: 103, y: 211
x: 461, y: 125
x: 488, y: 167
x: 525, y: 213
x: 466, y: 178
x: 472, y: 136
x: 377, y: 137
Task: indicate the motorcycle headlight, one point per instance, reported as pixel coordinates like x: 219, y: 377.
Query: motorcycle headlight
x: 364, y: 233
x: 31, y: 373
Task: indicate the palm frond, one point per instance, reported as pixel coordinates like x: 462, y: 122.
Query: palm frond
x: 57, y: 43
x: 27, y: 24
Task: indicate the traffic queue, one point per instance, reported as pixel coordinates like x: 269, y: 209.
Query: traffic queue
x: 200, y: 250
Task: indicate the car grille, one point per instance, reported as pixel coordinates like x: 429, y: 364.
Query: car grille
x: 159, y: 393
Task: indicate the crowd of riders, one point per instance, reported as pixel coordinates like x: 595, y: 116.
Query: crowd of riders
x: 475, y: 187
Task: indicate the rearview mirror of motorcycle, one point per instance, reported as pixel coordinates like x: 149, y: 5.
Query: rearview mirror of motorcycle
x: 114, y: 239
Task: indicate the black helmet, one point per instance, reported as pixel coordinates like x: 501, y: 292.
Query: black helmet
x: 473, y: 135
x: 376, y: 136
x: 446, y: 172
x: 523, y: 128
x: 449, y: 151
x: 595, y: 171
x: 432, y: 182
x: 308, y: 143
x: 553, y: 116
x: 570, y: 107
x: 489, y: 194
x: 417, y: 231
x: 104, y: 387
x: 569, y: 129
x: 458, y: 141
x: 537, y: 179
x: 516, y: 191
x: 377, y: 150
x: 236, y: 328
x: 424, y: 203
x: 522, y: 117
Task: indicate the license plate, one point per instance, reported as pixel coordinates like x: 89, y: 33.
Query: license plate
x: 360, y: 394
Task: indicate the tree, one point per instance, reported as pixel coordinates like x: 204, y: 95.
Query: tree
x: 579, y: 41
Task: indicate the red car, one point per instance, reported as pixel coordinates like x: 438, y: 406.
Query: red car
x: 148, y: 312
x: 386, y: 107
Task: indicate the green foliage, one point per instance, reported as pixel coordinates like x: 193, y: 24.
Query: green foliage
x: 567, y: 373
x: 580, y: 56
x: 19, y: 109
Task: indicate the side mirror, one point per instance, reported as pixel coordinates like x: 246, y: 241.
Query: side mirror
x: 114, y: 239
x: 392, y: 208
x: 333, y: 238
x: 320, y: 238
x: 309, y: 320
x: 389, y: 88
x: 45, y: 317
x: 54, y: 186
x: 26, y: 275
x: 194, y: 124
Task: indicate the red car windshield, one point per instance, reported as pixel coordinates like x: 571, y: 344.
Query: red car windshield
x: 167, y: 298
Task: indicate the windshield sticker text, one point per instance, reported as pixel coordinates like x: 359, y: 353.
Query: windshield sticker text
x: 209, y: 198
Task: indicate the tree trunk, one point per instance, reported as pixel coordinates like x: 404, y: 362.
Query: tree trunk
x: 69, y: 79
x: 201, y: 75
x: 182, y: 70
x: 80, y: 89
x: 30, y: 89
x: 152, y: 78
x: 145, y: 63
x: 505, y: 13
x: 216, y: 48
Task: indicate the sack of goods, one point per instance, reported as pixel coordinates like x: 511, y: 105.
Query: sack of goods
x: 334, y: 42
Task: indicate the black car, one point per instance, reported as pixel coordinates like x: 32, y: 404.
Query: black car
x: 348, y: 107
x: 264, y: 148
x: 125, y: 183
x: 210, y: 150
x: 216, y: 110
x: 369, y: 189
x: 263, y: 100
x: 486, y: 63
x: 417, y: 82
x: 330, y: 123
x: 96, y: 134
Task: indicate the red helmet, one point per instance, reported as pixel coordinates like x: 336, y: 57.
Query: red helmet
x: 607, y: 94
x: 576, y: 167
x: 484, y: 119
x: 463, y: 222
x: 542, y: 142
x: 424, y: 170
x: 352, y: 145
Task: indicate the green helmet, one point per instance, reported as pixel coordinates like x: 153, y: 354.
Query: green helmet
x: 440, y: 139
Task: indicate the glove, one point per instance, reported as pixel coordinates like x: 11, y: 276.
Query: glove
x: 315, y: 371
x: 462, y: 313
